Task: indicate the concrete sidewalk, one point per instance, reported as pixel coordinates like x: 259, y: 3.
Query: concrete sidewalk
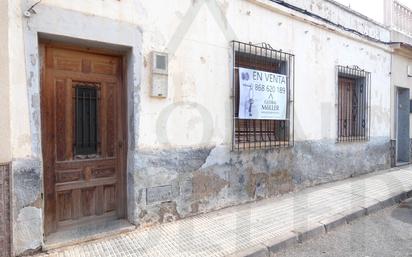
x: 256, y: 229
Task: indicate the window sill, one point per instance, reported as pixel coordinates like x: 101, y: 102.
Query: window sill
x: 352, y: 140
x: 261, y: 146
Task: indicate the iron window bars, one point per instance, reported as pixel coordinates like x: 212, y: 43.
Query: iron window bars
x: 86, y: 119
x: 353, y: 104
x: 262, y: 134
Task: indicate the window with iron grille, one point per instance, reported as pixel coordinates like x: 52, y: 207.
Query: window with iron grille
x: 86, y: 119
x: 258, y: 133
x: 353, y: 104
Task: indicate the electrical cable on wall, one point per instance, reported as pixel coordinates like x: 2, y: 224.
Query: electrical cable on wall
x: 316, y: 16
x: 31, y: 10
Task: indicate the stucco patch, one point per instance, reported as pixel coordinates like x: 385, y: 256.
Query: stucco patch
x: 27, y: 214
x: 262, y: 185
x: 207, y: 184
x: 219, y: 155
x: 27, y: 183
x: 28, y: 233
x: 168, y: 212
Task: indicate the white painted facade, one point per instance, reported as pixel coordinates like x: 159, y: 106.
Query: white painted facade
x: 200, y: 64
x: 198, y: 110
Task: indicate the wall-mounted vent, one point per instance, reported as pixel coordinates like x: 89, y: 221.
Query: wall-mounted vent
x: 159, y: 74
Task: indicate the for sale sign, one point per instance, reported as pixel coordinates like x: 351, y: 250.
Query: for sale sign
x: 262, y: 95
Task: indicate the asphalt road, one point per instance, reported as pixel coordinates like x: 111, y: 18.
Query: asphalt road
x: 382, y: 234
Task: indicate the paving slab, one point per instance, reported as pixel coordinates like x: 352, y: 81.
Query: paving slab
x: 260, y: 228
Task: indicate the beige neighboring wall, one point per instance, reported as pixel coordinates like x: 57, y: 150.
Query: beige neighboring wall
x: 5, y: 154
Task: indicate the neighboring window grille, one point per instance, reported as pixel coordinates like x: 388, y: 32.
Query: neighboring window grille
x: 258, y: 134
x: 85, y: 121
x: 353, y: 104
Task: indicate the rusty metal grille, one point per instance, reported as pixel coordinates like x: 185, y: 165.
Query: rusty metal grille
x: 353, y: 104
x: 262, y: 134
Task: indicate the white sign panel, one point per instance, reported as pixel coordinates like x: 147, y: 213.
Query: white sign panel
x: 262, y: 95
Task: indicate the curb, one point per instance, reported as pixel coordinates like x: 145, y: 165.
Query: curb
x: 289, y: 239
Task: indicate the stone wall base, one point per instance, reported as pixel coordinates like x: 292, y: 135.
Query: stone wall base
x: 171, y: 184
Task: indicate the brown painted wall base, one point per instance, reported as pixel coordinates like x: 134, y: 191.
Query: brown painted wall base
x: 4, y: 210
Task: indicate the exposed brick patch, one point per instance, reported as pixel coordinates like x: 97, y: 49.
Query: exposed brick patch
x: 4, y: 210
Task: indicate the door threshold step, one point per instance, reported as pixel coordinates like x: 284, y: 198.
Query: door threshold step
x: 400, y: 164
x: 86, y: 232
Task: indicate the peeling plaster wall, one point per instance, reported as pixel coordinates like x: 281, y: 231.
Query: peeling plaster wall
x: 179, y: 158
x: 27, y: 206
x: 207, y: 179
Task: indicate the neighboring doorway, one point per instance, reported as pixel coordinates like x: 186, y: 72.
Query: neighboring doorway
x: 402, y: 128
x: 83, y: 137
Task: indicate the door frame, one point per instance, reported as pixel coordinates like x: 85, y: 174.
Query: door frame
x: 123, y: 112
x: 397, y: 89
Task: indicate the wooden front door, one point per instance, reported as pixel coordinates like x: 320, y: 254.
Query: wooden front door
x: 83, y: 137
